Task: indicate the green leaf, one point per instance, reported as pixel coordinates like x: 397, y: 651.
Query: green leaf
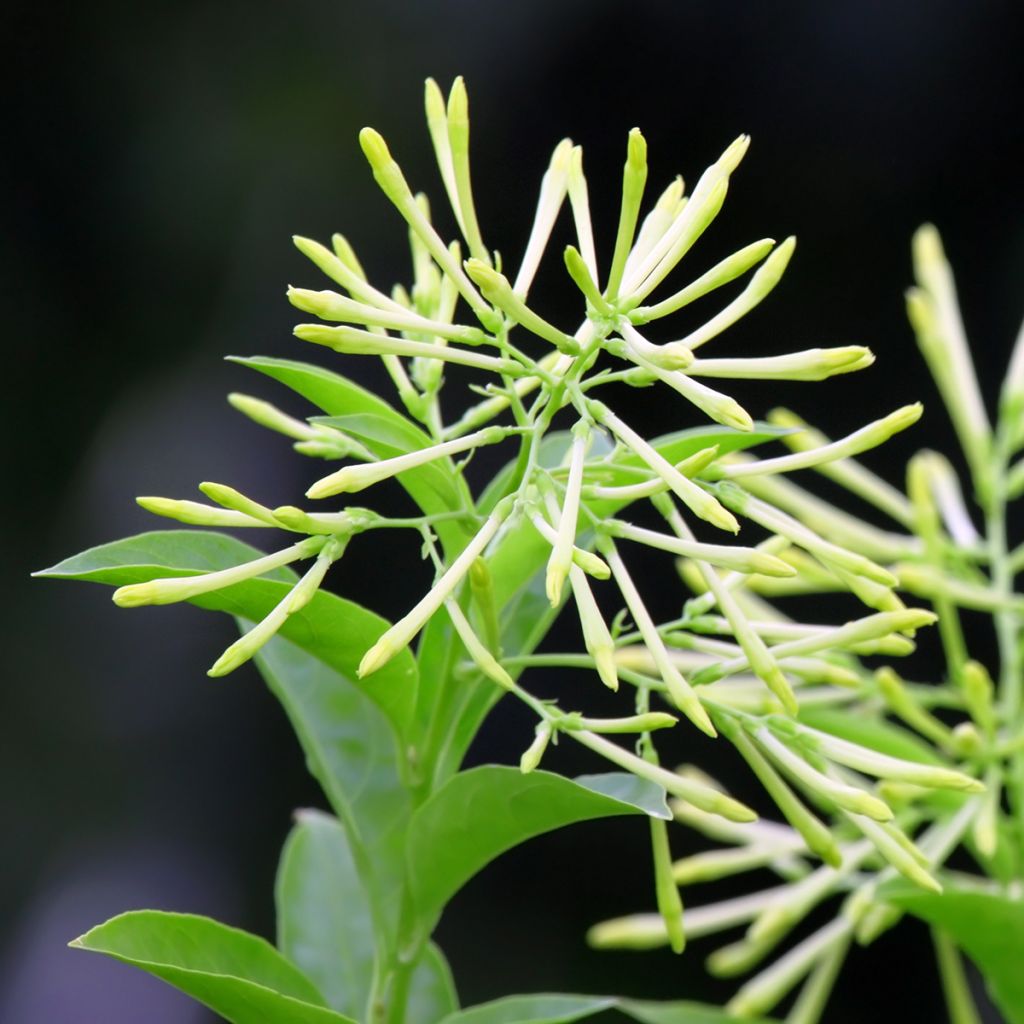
x: 679, y: 1012
x: 480, y: 813
x: 989, y: 929
x: 534, y: 1009
x: 351, y: 751
x: 324, y: 920
x: 432, y: 991
x: 237, y: 975
x: 550, y: 1008
x: 435, y: 487
x: 167, y: 552
x: 336, y: 632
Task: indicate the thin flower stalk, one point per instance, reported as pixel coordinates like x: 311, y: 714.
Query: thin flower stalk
x: 720, y: 274
x: 679, y: 689
x: 561, y: 558
x: 857, y: 479
x: 357, y: 478
x: 864, y: 439
x: 760, y: 660
x: 690, y: 494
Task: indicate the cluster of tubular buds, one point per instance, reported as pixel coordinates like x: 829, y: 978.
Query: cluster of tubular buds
x: 538, y: 371
x: 937, y: 553
x: 415, y: 332
x: 865, y: 846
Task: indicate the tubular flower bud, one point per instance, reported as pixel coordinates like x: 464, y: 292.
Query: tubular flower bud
x: 458, y: 137
x: 850, y: 798
x: 747, y: 560
x: 871, y: 762
x: 553, y: 188
x: 532, y: 755
x: 229, y: 498
x: 399, y: 636
x: 818, y: 839
x: 634, y: 179
x: 580, y: 203
x: 591, y: 564
x: 197, y: 514
x: 584, y: 280
x: 329, y: 305
x: 720, y: 274
x: 679, y: 689
x: 666, y: 357
x: 670, y: 904
x: 859, y: 441
x: 708, y: 192
x: 596, y: 638
x: 978, y: 693
x: 294, y: 601
x: 497, y: 289
x: 392, y: 183
x: 350, y: 341
x: 484, y: 660
x: 689, y: 493
x: 184, y: 588
x: 357, y: 478
x: 693, y: 791
x: 851, y: 475
x: 934, y: 313
x: 812, y: 364
x: 561, y: 558
x: 669, y: 205
x: 764, y: 280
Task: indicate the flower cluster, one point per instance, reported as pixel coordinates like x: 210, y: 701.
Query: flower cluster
x: 732, y: 663
x: 938, y: 554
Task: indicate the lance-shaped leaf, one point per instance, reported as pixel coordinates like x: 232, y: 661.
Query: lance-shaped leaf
x: 352, y: 753
x: 324, y: 919
x: 485, y: 811
x: 988, y: 927
x: 239, y: 976
x: 325, y: 925
x: 334, y: 631
x: 552, y: 1008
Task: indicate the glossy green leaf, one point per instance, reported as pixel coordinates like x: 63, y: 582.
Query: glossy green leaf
x: 237, y: 975
x: 352, y: 752
x: 679, y: 1012
x: 480, y: 813
x: 551, y: 1008
x: 432, y: 993
x: 989, y: 928
x: 435, y: 487
x: 335, y: 631
x: 544, y: 1008
x: 324, y: 919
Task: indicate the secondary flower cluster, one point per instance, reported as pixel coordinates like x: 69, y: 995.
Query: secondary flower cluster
x: 731, y: 663
x: 938, y: 554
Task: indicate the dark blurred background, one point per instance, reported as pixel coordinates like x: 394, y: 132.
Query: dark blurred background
x: 159, y: 157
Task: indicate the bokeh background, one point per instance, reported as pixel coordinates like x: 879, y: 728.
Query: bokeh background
x: 159, y: 157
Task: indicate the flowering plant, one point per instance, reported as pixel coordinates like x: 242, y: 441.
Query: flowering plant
x: 386, y: 712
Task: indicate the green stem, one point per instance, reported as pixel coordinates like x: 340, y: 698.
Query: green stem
x: 954, y: 981
x: 1007, y: 622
